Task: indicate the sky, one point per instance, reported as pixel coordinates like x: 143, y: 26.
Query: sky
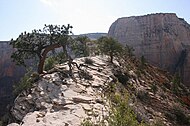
x: 86, y: 16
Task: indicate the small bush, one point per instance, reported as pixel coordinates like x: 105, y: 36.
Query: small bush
x: 111, y: 88
x: 122, y: 77
x: 143, y: 96
x: 25, y: 83
x: 86, y: 122
x: 85, y: 74
x: 176, y: 84
x: 154, y: 88
x: 181, y: 118
x: 122, y: 114
x: 49, y: 63
x: 143, y: 62
x: 88, y: 61
x: 61, y: 57
x: 178, y: 116
x: 129, y: 50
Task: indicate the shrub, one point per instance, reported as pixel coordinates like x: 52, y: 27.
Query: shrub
x: 85, y: 74
x: 129, y: 50
x: 122, y: 78
x: 143, y: 62
x: 177, y: 115
x: 61, y: 57
x: 86, y: 122
x: 25, y: 82
x: 143, y: 96
x: 49, y: 63
x: 121, y: 113
x: 88, y: 61
x: 181, y: 118
x: 111, y: 88
x: 176, y: 84
x: 154, y: 88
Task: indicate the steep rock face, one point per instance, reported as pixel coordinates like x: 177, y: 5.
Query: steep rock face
x: 9, y: 74
x: 160, y: 38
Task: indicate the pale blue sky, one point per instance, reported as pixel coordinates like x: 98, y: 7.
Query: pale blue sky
x: 85, y: 16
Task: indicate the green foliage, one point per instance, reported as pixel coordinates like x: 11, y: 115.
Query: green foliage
x: 122, y: 78
x: 87, y: 122
x: 181, y: 118
x: 81, y: 46
x: 111, y: 88
x: 24, y: 84
x: 122, y: 114
x: 154, y: 88
x: 88, y: 61
x: 143, y: 61
x: 61, y: 57
x: 110, y: 47
x: 85, y: 74
x: 50, y: 63
x: 176, y: 84
x: 143, y: 96
x: 39, y: 43
x: 177, y: 115
x: 129, y: 51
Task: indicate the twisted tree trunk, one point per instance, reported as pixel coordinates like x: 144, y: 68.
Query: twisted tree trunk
x: 43, y: 56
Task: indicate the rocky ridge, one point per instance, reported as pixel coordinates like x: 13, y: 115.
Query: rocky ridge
x: 10, y: 73
x: 163, y: 39
x: 58, y: 99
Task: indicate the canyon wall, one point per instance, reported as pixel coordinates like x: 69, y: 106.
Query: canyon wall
x: 162, y: 38
x: 10, y: 73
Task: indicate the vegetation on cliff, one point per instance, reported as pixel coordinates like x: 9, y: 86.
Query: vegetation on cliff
x: 39, y: 43
x: 138, y: 95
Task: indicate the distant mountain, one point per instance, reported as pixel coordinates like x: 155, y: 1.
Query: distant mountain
x: 92, y: 36
x: 162, y: 38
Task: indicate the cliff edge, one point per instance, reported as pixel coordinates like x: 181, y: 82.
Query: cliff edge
x: 163, y: 39
x: 58, y: 98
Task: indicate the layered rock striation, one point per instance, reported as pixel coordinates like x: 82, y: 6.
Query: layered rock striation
x: 162, y: 38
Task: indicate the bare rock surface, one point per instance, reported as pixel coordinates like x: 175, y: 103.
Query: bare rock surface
x: 61, y: 101
x: 163, y: 39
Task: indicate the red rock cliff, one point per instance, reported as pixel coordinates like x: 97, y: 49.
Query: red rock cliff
x: 161, y: 38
